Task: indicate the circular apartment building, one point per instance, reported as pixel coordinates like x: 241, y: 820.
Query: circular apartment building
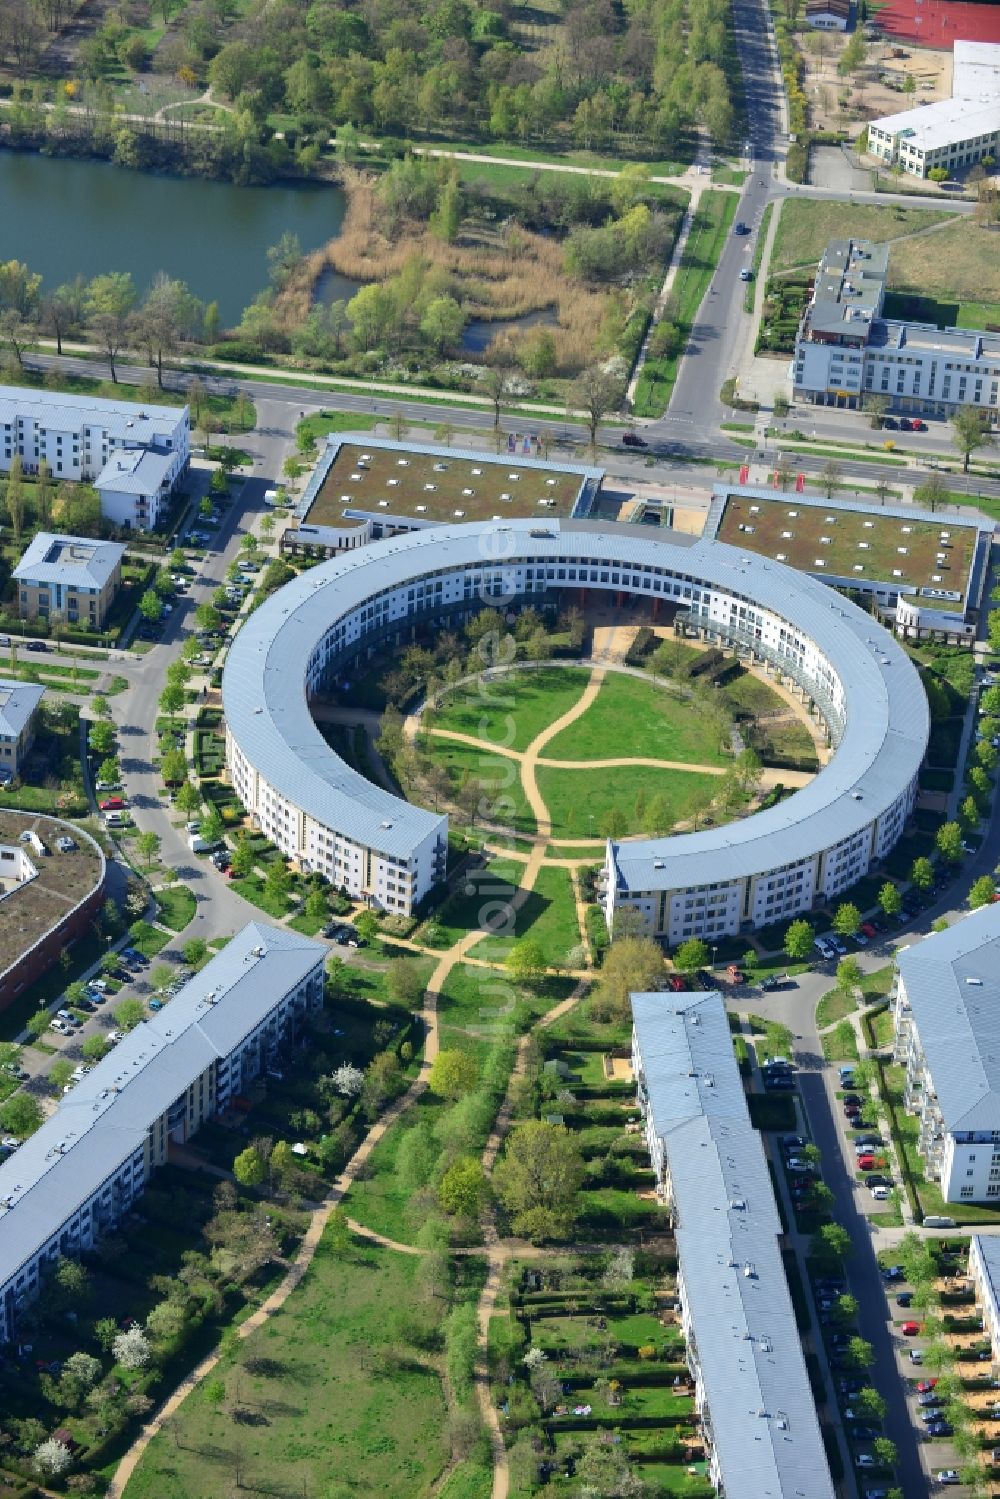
x: 770, y: 866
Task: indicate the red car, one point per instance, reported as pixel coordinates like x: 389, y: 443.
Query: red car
x: 918, y: 425
x: 925, y: 1386
x: 868, y: 929
x: 112, y: 804
x: 910, y: 1329
x: 677, y: 983
x: 866, y: 1163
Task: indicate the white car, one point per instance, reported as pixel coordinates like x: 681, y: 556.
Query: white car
x: 880, y: 1194
x: 947, y: 1476
x: 864, y: 1460
x: 61, y: 1027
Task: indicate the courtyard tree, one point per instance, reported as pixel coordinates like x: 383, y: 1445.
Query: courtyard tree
x: 366, y: 924
x: 94, y: 1048
x: 798, y: 942
x: 213, y: 829
x: 453, y: 1074
x: 172, y: 699
x: 188, y: 799
x: 848, y: 974
x: 596, y: 393
x: 846, y: 919
x: 316, y: 907
x: 948, y: 842
x: 99, y: 706
x: 195, y: 951
x: 277, y: 881
x: 539, y: 1178
x: 348, y: 1079
x: 889, y: 899
x: 101, y: 737
x: 831, y: 1243
x: 242, y: 860
x: 174, y: 767
x: 129, y: 1013
x: 970, y: 431
x: 405, y: 982
x: 207, y: 618
x: 691, y: 955
x: 526, y: 960
x: 982, y: 891
x: 463, y: 1188
x: 151, y: 606
x: 250, y: 1167
x: 632, y: 965
x: 21, y: 1114
x: 53, y: 1458
x: 922, y: 873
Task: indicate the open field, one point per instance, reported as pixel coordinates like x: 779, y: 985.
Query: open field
x: 438, y: 486
x: 959, y: 263
x: 548, y: 915
x: 334, y: 1371
x: 511, y: 710
x: 635, y: 718
x: 580, y: 800
x: 805, y: 228
x: 944, y: 312
x: 850, y: 543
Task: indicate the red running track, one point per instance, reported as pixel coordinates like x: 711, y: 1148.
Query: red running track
x: 939, y: 23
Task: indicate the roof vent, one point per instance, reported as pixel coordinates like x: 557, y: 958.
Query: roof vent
x: 749, y: 1271
x: 974, y: 981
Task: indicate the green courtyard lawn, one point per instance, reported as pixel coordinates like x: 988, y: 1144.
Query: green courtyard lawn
x: 252, y: 889
x: 548, y: 915
x: 147, y: 939
x: 512, y: 709
x: 806, y: 227
x: 480, y: 897
x: 177, y: 906
x: 476, y: 1004
x: 496, y: 777
x: 337, y: 1383
x: 579, y: 800
x: 634, y: 717
x: 389, y: 1200
x: 834, y: 1006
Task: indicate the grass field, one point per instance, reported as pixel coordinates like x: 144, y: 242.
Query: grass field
x: 513, y: 709
x: 497, y: 778
x: 177, y: 907
x: 333, y: 1383
x: 655, y: 724
x: 480, y: 901
x: 806, y: 227
x: 944, y: 312
x: 958, y: 264
x: 548, y: 914
x: 579, y: 800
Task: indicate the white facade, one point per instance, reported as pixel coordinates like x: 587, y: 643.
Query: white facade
x: 82, y: 1171
x: 954, y: 133
x: 945, y: 996
x: 984, y: 1271
x: 83, y: 439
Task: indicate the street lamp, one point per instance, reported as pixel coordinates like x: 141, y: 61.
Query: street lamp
x: 715, y: 949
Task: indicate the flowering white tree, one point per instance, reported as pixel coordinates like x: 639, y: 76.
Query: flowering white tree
x: 534, y: 1358
x: 84, y: 1367
x: 53, y: 1457
x: 132, y: 1349
x: 348, y: 1079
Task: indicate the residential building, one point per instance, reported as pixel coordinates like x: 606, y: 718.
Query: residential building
x: 953, y: 134
x: 845, y: 350
x: 19, y: 702
x: 946, y: 1005
x: 73, y: 1180
x: 752, y: 1389
x: 321, y: 628
x: 85, y: 439
x: 69, y: 578
x: 984, y: 1272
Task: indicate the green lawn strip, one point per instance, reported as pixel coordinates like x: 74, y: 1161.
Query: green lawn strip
x: 147, y: 939
x: 709, y: 229
x: 480, y: 899
x: 573, y: 158
x: 578, y: 800
x: 841, y: 1044
x: 177, y: 906
x: 511, y: 710
x: 496, y: 778
x: 548, y: 914
x: 340, y: 1377
x: 758, y: 256
x: 252, y: 889
x: 502, y: 174
x: 807, y: 226
x: 483, y: 1003
x: 470, y: 1480
x: 384, y: 1199
x: 658, y: 726
x: 307, y: 925
x: 834, y: 1006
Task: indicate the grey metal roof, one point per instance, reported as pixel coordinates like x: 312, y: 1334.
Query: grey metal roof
x: 687, y: 1057
x: 761, y: 1415
x: 952, y: 982
x: 880, y: 752
x: 127, y: 420
x: 135, y: 470
x: 107, y: 1115
x: 988, y: 1246
x: 18, y: 700
x: 69, y: 560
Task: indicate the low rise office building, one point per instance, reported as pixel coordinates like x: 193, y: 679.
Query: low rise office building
x: 752, y: 1388
x: 19, y: 704
x: 946, y: 997
x: 846, y: 350
x: 82, y: 1171
x: 951, y: 134
x: 68, y: 578
x: 133, y: 455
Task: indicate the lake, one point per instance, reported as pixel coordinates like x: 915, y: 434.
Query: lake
x: 66, y: 218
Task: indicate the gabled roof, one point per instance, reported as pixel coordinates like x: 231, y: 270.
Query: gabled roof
x: 69, y: 560
x: 106, y: 1117
x: 18, y: 700
x: 952, y: 982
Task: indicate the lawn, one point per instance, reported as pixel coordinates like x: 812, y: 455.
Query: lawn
x: 480, y: 900
x: 659, y: 726
x: 806, y: 227
x: 958, y: 264
x: 834, y: 1006
x: 176, y: 907
x: 548, y: 915
x: 943, y: 311
x: 146, y: 938
x: 253, y: 890
x: 478, y: 1004
x: 511, y: 710
x: 332, y: 1383
x: 580, y: 800
x: 497, y: 779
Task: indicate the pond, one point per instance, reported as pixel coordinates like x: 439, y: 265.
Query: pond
x: 480, y: 332
x: 66, y: 218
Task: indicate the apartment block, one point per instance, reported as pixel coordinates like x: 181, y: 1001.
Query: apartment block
x: 68, y: 578
x: 19, y: 703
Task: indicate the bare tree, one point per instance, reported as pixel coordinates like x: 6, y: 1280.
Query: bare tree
x: 596, y: 393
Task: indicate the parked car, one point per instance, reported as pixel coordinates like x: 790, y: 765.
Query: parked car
x: 746, y: 274
x: 939, y: 1429
x: 947, y: 1476
x: 905, y: 425
x: 910, y: 1329
x: 156, y: 1004
x: 36, y: 645
x: 917, y: 425
x: 633, y: 440
x: 916, y: 1355
x: 866, y: 1162
x: 868, y: 929
x: 61, y: 1027
x: 112, y: 804
x: 864, y: 1460
x: 904, y: 1299
x: 881, y: 1194
x: 740, y: 228
x: 794, y: 1142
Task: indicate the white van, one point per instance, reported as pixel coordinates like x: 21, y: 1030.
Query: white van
x: 113, y: 820
x: 270, y: 497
